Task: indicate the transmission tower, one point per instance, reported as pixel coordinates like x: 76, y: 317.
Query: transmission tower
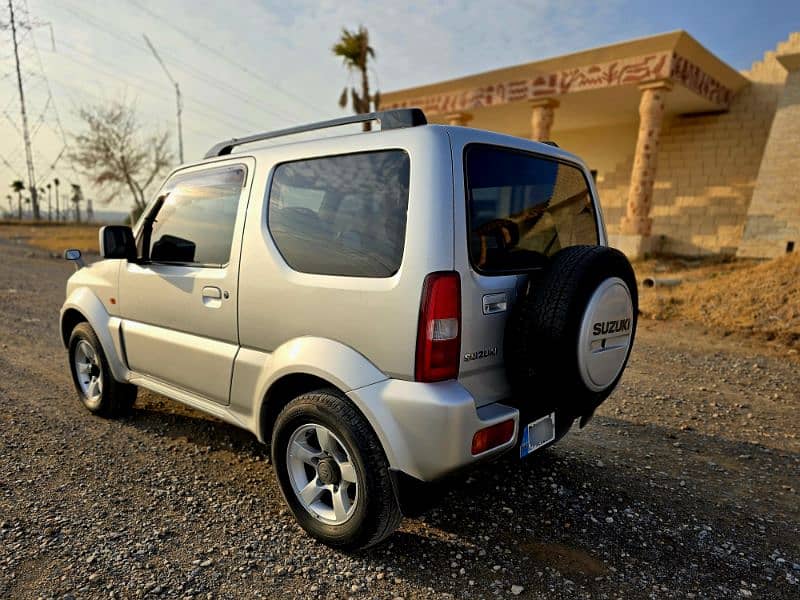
x: 25, y: 131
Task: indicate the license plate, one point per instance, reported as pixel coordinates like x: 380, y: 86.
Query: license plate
x: 537, y: 434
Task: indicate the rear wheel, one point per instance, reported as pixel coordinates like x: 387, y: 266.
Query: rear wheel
x: 97, y: 389
x: 333, y: 473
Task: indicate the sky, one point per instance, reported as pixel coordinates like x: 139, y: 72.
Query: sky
x: 253, y: 65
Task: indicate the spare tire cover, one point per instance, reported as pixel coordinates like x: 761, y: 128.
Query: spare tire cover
x: 569, y: 338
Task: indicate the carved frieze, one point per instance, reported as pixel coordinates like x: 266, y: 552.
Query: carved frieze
x: 627, y: 71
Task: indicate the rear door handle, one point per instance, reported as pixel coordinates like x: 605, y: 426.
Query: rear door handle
x: 495, y: 303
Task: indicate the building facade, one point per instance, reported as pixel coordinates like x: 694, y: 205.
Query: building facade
x: 692, y: 157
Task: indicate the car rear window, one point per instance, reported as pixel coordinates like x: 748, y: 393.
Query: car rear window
x: 523, y: 208
x: 341, y: 215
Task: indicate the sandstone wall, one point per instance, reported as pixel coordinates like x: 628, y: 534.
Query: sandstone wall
x: 707, y: 167
x: 773, y: 220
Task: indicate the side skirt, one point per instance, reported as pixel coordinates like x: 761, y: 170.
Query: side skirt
x: 192, y: 400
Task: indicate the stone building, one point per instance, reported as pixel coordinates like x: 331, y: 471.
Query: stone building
x: 691, y: 156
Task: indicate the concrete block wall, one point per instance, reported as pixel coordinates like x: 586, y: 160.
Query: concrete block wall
x: 612, y: 186
x: 707, y: 168
x: 772, y: 227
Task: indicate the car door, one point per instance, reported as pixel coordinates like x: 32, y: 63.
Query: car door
x: 179, y: 308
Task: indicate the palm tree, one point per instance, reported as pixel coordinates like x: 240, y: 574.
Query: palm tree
x: 354, y: 49
x: 56, y: 183
x: 10, y: 204
x: 18, y: 186
x: 77, y: 198
x: 49, y: 202
x: 40, y: 199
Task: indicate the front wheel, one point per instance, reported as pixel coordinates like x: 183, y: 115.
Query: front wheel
x: 333, y: 473
x: 97, y: 389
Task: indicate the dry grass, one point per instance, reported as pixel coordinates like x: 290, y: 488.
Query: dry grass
x: 755, y: 298
x: 53, y: 237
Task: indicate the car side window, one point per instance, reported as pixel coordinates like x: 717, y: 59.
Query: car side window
x: 341, y: 215
x: 194, y: 226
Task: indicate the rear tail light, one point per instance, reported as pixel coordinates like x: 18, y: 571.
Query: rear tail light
x: 439, y: 333
x: 491, y: 437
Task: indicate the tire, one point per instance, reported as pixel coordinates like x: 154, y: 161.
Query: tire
x: 373, y: 512
x: 569, y: 339
x: 108, y: 399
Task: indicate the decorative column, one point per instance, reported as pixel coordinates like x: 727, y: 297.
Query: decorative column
x: 460, y: 118
x: 637, y: 219
x: 542, y: 116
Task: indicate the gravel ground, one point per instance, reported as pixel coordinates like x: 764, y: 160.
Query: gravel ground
x: 686, y: 485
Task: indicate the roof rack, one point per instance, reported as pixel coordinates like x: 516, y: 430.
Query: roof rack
x: 389, y: 119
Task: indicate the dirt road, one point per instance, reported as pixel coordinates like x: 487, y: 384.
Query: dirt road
x: 686, y: 484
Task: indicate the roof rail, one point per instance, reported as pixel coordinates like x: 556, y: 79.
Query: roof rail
x: 550, y: 143
x: 389, y: 119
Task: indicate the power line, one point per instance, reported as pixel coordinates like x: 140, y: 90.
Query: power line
x: 59, y: 125
x: 218, y: 84
x: 10, y: 167
x: 53, y: 165
x: 213, y: 112
x: 84, y: 91
x: 271, y: 84
x: 40, y: 119
x: 11, y: 120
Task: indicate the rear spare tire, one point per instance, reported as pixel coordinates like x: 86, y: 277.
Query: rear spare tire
x: 569, y: 338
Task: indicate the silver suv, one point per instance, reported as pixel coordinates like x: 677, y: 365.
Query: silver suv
x: 381, y: 308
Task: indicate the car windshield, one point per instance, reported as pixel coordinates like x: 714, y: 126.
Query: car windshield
x: 524, y: 208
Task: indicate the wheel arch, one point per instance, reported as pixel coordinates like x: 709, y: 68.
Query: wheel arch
x: 282, y: 391
x: 264, y: 382
x: 70, y: 318
x: 289, y: 386
x: 83, y: 305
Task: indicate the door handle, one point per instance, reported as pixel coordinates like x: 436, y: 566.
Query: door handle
x: 212, y: 297
x: 495, y: 303
x: 212, y: 292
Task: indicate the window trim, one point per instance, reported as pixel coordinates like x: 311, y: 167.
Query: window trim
x: 189, y: 174
x: 267, y: 209
x: 467, y: 194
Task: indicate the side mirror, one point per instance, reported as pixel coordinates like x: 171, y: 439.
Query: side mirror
x: 117, y: 241
x: 75, y: 256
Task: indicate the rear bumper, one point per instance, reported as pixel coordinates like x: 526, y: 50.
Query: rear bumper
x: 426, y: 429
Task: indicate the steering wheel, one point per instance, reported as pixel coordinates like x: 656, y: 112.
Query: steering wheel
x: 505, y: 233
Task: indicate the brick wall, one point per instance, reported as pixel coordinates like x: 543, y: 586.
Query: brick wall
x: 707, y: 167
